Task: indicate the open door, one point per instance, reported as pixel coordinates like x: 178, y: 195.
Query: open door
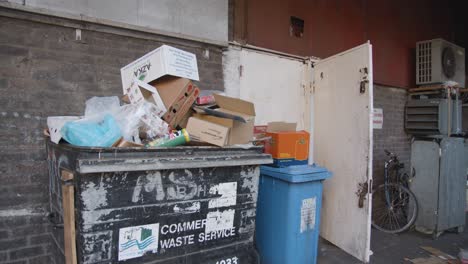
x: 343, y: 144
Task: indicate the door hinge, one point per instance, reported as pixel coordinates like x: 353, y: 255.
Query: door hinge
x: 363, y: 190
x: 364, y: 80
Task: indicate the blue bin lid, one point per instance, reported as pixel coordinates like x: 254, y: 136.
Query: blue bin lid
x: 296, y: 174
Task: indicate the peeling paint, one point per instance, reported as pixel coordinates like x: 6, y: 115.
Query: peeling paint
x: 94, y: 196
x: 219, y: 220
x: 228, y: 192
x: 97, y: 247
x: 19, y: 212
x: 193, y: 208
x: 247, y: 221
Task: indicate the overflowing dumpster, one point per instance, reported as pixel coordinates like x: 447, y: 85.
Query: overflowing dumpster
x: 157, y: 205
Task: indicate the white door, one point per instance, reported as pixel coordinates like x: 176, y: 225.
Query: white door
x: 275, y: 83
x: 342, y: 140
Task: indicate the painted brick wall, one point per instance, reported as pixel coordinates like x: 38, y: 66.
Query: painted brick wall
x: 392, y: 136
x: 44, y: 71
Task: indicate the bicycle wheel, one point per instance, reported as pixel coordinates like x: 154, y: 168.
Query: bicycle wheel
x: 394, y: 208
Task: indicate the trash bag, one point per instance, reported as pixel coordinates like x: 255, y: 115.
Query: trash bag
x: 100, y: 105
x: 92, y: 132
x: 140, y: 120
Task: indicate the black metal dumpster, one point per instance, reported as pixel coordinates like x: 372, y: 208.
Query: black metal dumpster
x: 166, y: 205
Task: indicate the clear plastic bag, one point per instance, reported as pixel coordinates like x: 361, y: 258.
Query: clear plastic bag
x: 140, y: 119
x: 92, y: 132
x: 100, y: 105
x: 130, y: 121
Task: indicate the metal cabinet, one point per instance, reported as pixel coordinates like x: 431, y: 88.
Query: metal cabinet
x: 439, y: 169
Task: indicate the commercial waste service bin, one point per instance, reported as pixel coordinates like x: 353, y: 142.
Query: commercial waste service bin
x: 288, y: 214
x: 161, y: 205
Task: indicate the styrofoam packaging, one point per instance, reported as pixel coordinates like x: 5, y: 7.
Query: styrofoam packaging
x: 165, y: 60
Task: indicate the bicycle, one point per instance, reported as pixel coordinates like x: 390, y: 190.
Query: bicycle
x: 395, y: 207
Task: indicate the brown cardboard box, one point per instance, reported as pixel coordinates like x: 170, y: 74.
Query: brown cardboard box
x: 178, y: 95
x: 205, y: 131
x: 236, y: 114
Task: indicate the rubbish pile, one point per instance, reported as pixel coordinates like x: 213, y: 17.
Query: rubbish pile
x: 160, y: 107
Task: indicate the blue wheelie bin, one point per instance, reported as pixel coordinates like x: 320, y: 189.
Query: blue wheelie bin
x: 288, y: 214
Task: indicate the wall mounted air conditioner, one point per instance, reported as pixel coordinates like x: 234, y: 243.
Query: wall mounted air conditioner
x: 438, y: 61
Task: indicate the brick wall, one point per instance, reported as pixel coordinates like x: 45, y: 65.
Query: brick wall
x: 44, y: 71
x: 392, y: 136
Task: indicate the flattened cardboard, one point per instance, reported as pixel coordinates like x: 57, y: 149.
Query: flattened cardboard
x: 232, y: 108
x: 201, y: 130
x: 235, y: 104
x: 165, y: 60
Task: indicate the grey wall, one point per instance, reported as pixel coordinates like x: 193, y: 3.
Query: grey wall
x: 392, y: 136
x: 206, y: 19
x: 44, y: 71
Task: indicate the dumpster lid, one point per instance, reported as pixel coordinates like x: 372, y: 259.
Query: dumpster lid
x: 297, y: 174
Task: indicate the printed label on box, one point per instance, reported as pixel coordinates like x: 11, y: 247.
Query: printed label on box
x: 135, y: 241
x: 181, y: 63
x: 308, y: 212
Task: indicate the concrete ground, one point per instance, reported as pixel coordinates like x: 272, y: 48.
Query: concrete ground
x: 390, y: 249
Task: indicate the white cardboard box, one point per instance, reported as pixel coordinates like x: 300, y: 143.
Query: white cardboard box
x: 159, y: 62
x: 139, y: 91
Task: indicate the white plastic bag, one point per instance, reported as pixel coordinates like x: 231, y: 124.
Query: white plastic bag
x: 100, y: 105
x: 140, y: 119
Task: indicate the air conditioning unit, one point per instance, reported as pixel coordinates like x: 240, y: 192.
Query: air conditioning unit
x: 438, y: 61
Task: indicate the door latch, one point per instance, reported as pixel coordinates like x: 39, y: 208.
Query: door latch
x: 364, y: 79
x: 363, y: 189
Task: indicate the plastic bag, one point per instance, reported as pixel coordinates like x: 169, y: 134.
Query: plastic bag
x: 140, y: 119
x: 92, y: 132
x: 100, y: 105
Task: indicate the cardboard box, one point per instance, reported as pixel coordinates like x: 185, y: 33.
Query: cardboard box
x: 165, y: 60
x: 287, y: 146
x: 205, y: 131
x: 236, y: 114
x: 140, y: 91
x: 178, y: 95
